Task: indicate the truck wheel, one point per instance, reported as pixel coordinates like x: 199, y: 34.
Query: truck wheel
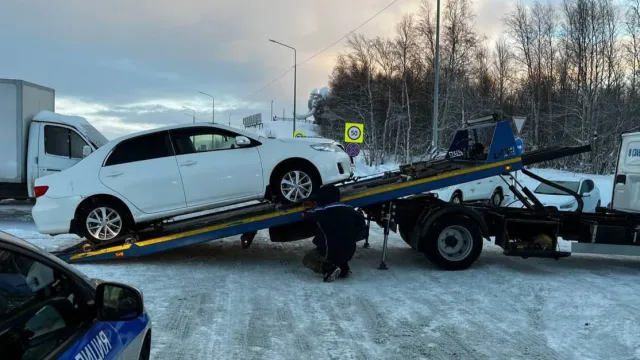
x: 405, y: 233
x: 102, y: 221
x: 453, y: 242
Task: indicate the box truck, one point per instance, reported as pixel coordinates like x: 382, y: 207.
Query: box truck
x: 36, y: 141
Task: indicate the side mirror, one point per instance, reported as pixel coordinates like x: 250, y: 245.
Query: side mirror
x: 118, y: 302
x: 86, y: 151
x: 242, y: 141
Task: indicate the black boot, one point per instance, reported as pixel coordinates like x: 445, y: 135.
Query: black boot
x: 331, y: 272
x: 344, y: 271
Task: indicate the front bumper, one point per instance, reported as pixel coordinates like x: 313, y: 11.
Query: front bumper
x: 334, y: 167
x: 53, y: 216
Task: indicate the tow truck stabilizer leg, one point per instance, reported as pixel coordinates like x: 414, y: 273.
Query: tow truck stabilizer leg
x: 388, y: 213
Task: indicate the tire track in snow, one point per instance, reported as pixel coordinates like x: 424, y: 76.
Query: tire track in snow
x: 185, y: 317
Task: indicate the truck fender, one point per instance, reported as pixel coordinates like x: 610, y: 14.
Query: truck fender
x: 432, y: 214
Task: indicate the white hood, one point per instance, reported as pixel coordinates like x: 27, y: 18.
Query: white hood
x: 562, y: 202
x: 558, y: 201
x: 306, y: 140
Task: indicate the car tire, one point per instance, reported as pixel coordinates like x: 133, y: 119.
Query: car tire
x: 497, y: 197
x: 302, y: 175
x: 145, y: 353
x: 456, y: 198
x: 109, y: 213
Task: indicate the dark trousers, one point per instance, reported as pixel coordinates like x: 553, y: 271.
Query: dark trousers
x: 316, y: 262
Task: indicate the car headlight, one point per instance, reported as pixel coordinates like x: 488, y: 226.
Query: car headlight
x: 326, y: 147
x: 568, y: 205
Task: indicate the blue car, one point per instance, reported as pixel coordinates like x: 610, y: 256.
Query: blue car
x: 50, y: 310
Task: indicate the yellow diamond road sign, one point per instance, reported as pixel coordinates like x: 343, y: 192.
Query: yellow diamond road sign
x: 353, y: 133
x: 299, y: 134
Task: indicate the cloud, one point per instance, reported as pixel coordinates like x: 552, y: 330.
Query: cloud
x: 127, y: 65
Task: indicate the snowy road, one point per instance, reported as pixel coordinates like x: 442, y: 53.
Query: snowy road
x: 215, y: 301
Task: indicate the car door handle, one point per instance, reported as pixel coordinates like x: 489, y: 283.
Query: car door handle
x: 114, y: 174
x: 189, y: 163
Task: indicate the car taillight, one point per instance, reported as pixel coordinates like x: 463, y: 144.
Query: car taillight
x: 40, y: 190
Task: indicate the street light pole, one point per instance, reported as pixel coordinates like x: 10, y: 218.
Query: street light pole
x: 271, y: 117
x: 213, y: 106
x: 229, y: 119
x: 436, y: 74
x: 193, y: 113
x: 295, y: 67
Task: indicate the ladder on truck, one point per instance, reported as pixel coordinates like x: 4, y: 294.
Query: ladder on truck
x: 467, y: 159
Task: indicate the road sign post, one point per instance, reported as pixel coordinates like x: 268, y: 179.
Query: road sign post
x: 354, y: 133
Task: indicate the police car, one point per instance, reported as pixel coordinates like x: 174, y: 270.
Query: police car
x: 49, y: 310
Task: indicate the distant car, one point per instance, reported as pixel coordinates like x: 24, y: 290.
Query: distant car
x: 50, y: 310
x: 181, y: 169
x: 550, y: 196
x: 484, y: 189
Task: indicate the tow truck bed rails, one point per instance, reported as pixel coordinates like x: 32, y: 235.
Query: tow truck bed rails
x: 395, y: 198
x: 500, y: 158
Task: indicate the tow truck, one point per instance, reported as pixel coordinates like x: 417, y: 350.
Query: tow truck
x: 450, y: 235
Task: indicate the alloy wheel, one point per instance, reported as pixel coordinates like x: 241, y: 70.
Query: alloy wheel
x: 104, y: 223
x: 296, y: 185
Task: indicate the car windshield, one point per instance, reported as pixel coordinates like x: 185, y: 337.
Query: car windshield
x: 549, y: 190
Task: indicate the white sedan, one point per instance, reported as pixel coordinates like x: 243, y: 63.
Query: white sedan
x: 483, y: 189
x: 550, y: 196
x: 176, y: 170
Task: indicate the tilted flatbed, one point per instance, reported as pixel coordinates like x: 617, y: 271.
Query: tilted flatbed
x: 450, y: 235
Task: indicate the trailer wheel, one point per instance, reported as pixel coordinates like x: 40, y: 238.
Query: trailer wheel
x: 454, y: 242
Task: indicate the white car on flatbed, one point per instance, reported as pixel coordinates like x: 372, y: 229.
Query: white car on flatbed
x: 162, y: 173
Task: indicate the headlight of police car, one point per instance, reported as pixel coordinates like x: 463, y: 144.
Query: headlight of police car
x: 326, y: 147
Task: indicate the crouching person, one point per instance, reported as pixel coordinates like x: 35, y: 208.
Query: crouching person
x: 337, y: 228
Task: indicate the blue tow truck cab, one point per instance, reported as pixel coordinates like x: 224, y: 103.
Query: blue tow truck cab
x: 50, y: 310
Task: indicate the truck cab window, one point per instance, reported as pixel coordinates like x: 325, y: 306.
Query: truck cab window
x: 61, y: 141
x: 37, y: 307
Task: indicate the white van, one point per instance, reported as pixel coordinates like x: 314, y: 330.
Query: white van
x: 626, y: 183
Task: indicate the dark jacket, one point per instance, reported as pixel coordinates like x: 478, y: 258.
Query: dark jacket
x: 338, y: 226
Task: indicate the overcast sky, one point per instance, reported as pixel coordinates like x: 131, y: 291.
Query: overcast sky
x: 129, y: 65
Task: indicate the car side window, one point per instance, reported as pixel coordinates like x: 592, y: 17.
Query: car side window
x: 189, y: 141
x: 145, y: 147
x: 38, y: 307
x: 590, y: 185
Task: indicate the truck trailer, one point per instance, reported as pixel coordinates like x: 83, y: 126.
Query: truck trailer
x: 35, y: 140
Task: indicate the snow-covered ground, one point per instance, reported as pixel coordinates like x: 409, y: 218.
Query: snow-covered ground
x: 217, y: 301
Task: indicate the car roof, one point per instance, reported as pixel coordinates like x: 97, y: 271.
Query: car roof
x: 185, y: 126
